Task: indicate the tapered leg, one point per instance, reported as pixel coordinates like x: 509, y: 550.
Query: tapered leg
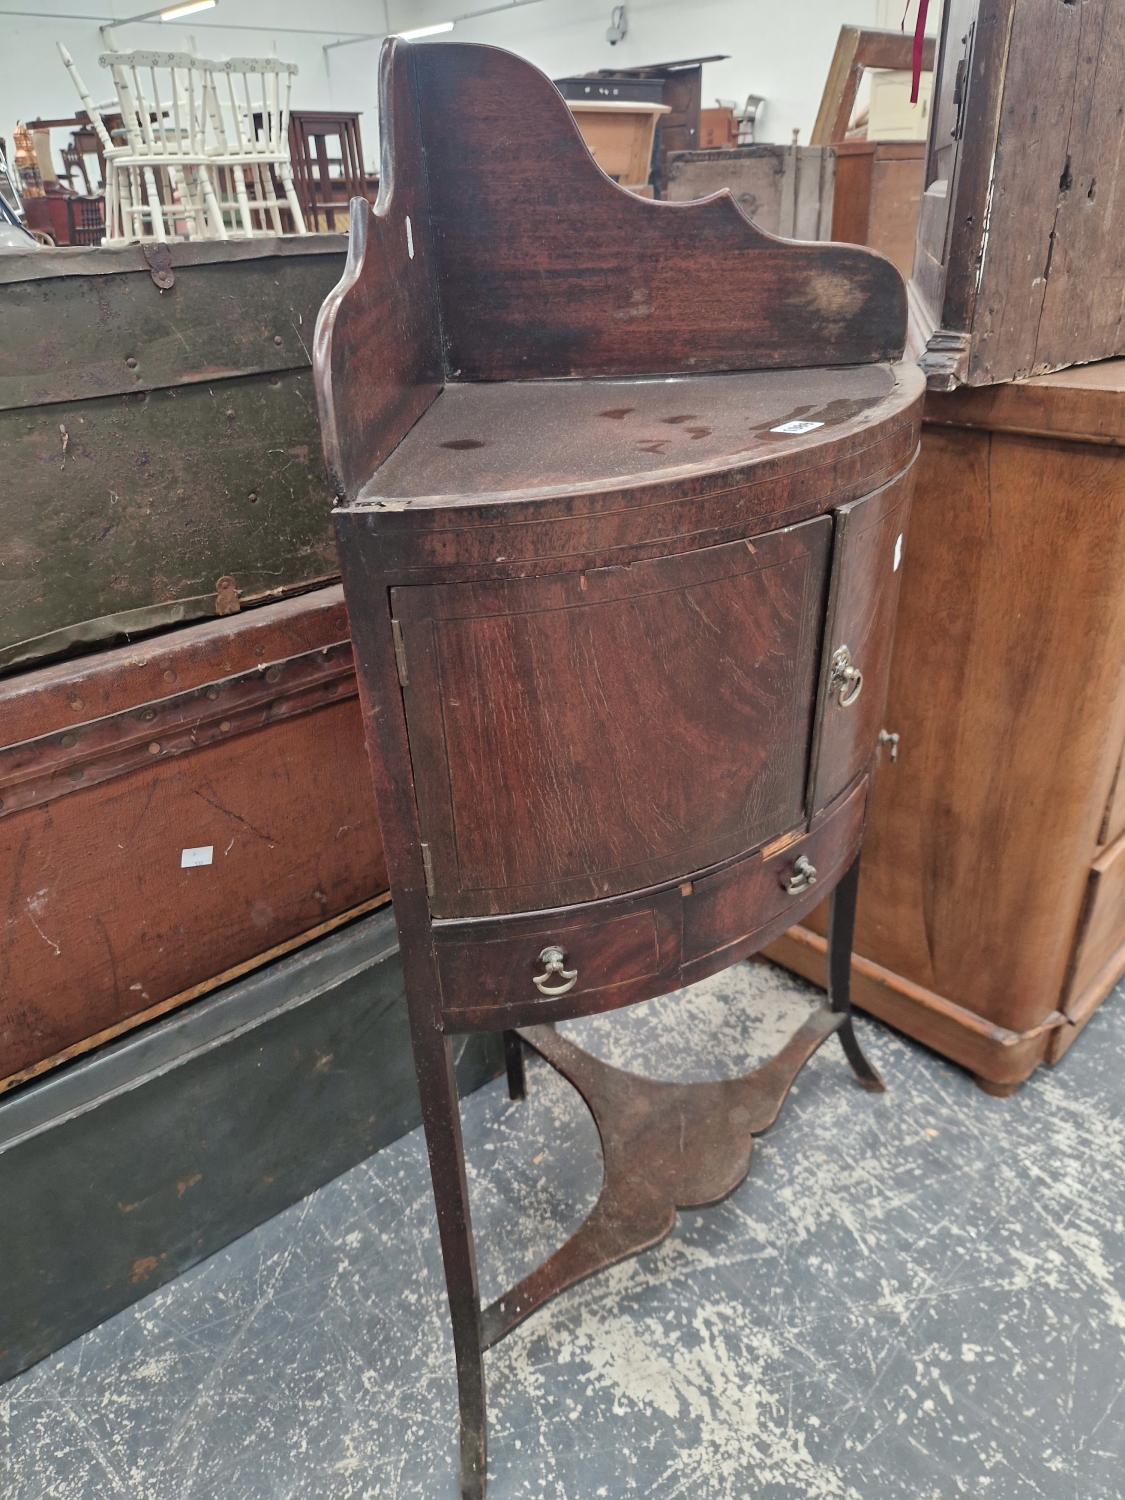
x: 841, y: 927
x: 437, y: 1085
x: 513, y: 1061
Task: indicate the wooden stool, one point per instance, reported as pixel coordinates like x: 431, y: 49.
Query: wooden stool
x: 623, y: 491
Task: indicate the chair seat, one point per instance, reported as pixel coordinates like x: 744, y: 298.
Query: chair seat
x: 543, y: 437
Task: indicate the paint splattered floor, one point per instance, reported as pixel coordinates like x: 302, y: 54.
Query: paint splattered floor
x: 919, y: 1295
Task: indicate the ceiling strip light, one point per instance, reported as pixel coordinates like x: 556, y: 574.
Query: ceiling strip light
x: 421, y: 31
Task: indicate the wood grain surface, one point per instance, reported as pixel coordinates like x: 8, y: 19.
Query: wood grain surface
x: 102, y: 921
x: 548, y: 268
x: 524, y: 272
x: 378, y: 334
x: 584, y: 735
x: 984, y: 879
x: 1012, y: 719
x: 1020, y: 258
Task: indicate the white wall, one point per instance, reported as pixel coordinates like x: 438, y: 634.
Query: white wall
x: 779, y: 48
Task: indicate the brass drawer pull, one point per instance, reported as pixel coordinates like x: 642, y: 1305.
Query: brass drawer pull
x: 803, y: 876
x: 844, y: 679
x: 552, y: 959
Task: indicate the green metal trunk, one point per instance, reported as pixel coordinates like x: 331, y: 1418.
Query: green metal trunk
x: 156, y: 439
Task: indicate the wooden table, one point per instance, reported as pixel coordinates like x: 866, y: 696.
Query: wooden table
x: 992, y: 906
x: 621, y: 637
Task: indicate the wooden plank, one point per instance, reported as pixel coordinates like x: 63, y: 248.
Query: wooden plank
x: 851, y: 200
x: 785, y: 190
x: 1113, y: 823
x: 90, y: 687
x: 1083, y: 405
x: 1035, y: 122
x: 1082, y: 308
x: 955, y: 237
x: 896, y: 197
x: 385, y: 344
x: 97, y: 260
x: 548, y: 269
x: 104, y: 919
x: 195, y: 992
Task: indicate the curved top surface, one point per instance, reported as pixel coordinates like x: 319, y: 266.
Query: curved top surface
x: 515, y: 439
x: 499, y: 251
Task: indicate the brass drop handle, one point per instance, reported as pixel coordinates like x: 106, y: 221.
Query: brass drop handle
x: 845, y: 680
x: 552, y: 959
x: 803, y: 876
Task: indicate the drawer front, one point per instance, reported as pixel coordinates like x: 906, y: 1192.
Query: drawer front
x: 1101, y: 928
x: 863, y: 598
x: 1113, y: 820
x: 612, y: 958
x: 734, y: 912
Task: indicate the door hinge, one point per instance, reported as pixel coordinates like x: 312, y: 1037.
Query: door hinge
x: 400, y: 652
x: 428, y: 866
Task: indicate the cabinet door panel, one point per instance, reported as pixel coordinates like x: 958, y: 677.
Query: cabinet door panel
x: 588, y: 734
x: 863, y: 599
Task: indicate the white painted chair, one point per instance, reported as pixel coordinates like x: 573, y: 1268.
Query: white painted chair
x: 251, y: 121
x: 204, y: 144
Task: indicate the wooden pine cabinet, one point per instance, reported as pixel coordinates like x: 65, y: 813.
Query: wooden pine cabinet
x: 991, y: 917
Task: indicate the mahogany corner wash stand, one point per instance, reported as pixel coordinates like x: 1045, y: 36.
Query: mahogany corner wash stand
x: 623, y: 491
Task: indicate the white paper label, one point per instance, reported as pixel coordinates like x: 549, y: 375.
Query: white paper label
x: 201, y: 856
x: 898, y: 553
x: 796, y: 426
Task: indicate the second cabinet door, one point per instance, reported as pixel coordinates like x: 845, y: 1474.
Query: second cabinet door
x: 863, y: 599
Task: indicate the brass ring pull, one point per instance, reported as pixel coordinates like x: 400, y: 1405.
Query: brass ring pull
x: 552, y: 959
x: 803, y: 876
x: 845, y: 680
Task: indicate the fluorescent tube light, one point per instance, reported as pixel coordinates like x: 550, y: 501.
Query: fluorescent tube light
x: 186, y: 10
x: 413, y: 36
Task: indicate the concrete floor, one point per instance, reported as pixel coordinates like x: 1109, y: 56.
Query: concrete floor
x: 917, y: 1295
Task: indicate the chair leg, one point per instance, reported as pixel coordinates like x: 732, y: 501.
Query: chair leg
x: 513, y: 1061
x: 841, y: 927
x: 441, y: 1116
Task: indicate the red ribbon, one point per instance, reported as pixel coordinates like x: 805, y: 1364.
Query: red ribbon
x: 919, y: 43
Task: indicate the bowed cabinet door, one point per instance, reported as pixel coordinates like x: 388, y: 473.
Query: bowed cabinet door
x: 582, y: 735
x: 862, y: 602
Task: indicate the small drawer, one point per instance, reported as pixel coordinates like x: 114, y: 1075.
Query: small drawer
x: 481, y: 974
x: 1101, y: 926
x: 735, y: 908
